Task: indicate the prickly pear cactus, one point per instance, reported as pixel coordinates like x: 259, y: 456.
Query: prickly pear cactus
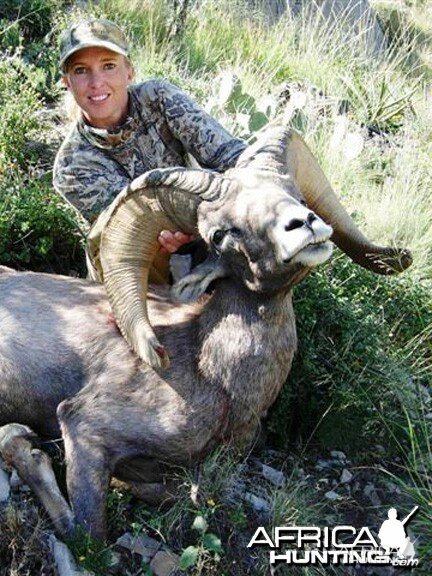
x: 240, y: 112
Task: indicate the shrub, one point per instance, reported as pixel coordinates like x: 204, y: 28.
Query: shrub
x: 19, y: 102
x: 353, y: 364
x: 33, y: 17
x: 37, y: 230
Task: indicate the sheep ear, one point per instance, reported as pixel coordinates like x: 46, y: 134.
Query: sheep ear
x: 194, y: 285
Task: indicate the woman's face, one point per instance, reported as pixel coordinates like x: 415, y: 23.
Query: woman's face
x: 98, y: 80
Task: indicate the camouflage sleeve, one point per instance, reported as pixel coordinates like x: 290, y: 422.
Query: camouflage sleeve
x: 201, y: 135
x: 88, y: 180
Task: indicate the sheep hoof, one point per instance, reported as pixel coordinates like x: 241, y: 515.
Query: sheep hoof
x: 11, y: 431
x: 188, y: 289
x: 192, y: 286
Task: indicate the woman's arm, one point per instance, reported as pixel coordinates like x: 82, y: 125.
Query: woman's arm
x: 199, y: 133
x: 89, y: 182
x: 86, y: 178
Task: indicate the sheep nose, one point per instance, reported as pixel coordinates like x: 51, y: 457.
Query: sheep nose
x: 311, y: 217
x: 298, y: 223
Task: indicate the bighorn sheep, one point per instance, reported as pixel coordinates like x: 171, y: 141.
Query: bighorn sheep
x: 64, y: 365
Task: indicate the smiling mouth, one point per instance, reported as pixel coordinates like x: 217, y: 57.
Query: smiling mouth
x: 99, y: 98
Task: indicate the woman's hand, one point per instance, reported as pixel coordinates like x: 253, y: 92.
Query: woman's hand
x: 171, y: 241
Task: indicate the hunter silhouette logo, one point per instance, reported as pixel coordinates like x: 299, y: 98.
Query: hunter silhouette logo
x: 311, y: 545
x: 392, y: 534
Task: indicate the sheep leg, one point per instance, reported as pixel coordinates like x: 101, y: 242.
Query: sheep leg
x: 193, y: 285
x: 88, y: 474
x: 34, y: 468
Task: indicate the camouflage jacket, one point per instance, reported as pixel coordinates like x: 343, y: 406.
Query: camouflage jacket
x: 163, y: 126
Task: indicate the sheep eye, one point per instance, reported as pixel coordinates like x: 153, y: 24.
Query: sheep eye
x: 218, y: 236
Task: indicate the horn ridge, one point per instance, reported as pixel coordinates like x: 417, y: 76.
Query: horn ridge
x: 205, y: 183
x: 268, y: 152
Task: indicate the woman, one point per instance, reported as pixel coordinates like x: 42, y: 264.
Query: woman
x: 125, y: 129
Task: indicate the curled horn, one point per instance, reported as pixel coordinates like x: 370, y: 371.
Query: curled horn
x: 123, y: 245
x: 285, y: 151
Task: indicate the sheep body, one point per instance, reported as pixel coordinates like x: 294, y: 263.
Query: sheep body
x: 121, y: 410
x: 76, y: 346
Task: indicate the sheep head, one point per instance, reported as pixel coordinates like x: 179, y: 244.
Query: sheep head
x: 262, y: 232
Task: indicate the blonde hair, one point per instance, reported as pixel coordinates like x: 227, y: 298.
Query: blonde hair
x: 73, y: 111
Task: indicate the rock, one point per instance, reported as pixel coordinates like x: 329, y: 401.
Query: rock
x: 164, y: 563
x: 143, y: 545
x: 276, y: 477
x: 330, y: 464
x: 393, y: 488
x: 115, y: 559
x: 4, y: 486
x: 323, y: 464
x: 15, y: 480
x: 301, y: 473
x: 370, y: 491
x: 64, y: 560
x: 356, y: 487
x: 338, y: 455
x: 355, y: 17
x: 332, y: 495
x: 258, y: 504
x: 346, y: 476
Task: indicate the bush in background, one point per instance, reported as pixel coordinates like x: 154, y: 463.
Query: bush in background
x: 37, y: 232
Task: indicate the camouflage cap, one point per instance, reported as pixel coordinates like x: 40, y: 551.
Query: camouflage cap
x: 93, y: 32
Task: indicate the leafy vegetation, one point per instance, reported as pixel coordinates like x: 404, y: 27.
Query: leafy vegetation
x: 36, y: 230
x: 362, y: 377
